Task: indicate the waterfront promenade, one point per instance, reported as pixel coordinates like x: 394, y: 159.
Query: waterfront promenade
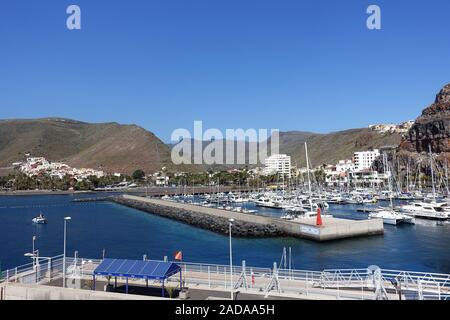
x: 251, y: 225
x: 212, y: 281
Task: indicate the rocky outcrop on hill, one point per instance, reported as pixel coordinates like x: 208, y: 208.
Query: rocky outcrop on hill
x: 432, y: 127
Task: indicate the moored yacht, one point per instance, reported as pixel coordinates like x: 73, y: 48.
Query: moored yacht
x: 310, y: 214
x: 425, y: 210
x: 391, y: 217
x: 267, y: 202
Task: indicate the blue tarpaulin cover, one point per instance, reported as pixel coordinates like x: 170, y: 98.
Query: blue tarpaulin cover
x: 144, y: 269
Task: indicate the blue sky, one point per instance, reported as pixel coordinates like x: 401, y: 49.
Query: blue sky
x: 292, y: 65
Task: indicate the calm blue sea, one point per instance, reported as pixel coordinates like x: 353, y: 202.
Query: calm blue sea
x: 129, y: 233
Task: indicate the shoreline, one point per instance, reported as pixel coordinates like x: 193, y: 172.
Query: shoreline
x: 151, y: 191
x: 41, y: 193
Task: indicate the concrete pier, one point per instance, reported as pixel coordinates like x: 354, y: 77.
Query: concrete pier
x: 250, y: 225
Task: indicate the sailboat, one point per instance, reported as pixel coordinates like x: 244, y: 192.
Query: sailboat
x: 428, y: 210
x: 388, y: 215
x: 310, y: 212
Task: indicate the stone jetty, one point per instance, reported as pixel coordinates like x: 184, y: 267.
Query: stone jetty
x: 215, y: 220
x: 250, y: 225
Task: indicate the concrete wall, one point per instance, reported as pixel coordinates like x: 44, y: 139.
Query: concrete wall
x: 16, y: 291
x: 353, y: 229
x: 333, y: 229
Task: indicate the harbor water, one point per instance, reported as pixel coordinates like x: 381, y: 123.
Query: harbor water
x: 128, y: 233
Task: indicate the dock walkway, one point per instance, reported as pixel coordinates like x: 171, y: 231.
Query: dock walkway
x: 213, y: 280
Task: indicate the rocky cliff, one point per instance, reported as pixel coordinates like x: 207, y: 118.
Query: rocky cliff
x: 432, y: 127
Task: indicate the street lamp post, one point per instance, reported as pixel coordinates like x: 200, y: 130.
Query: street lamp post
x: 64, y: 255
x: 35, y: 256
x: 34, y: 239
x: 231, y: 263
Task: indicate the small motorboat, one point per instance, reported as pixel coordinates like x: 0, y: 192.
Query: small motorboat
x: 40, y: 219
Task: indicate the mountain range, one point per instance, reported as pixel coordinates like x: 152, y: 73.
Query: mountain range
x: 107, y: 146
x: 113, y: 147
x: 331, y: 147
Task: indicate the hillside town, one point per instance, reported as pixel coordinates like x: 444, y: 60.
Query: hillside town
x: 39, y: 166
x: 358, y: 170
x: 277, y: 169
x: 392, y: 128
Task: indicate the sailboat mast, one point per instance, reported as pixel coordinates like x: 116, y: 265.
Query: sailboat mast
x: 389, y: 181
x: 309, y: 180
x: 432, y: 173
x: 446, y: 176
x: 407, y: 177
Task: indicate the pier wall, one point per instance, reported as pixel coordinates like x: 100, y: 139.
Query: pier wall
x: 16, y: 291
x: 333, y: 228
x: 250, y: 225
x: 212, y: 219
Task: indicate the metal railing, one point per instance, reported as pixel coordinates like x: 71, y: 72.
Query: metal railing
x: 334, y: 283
x: 416, y: 285
x: 43, y: 268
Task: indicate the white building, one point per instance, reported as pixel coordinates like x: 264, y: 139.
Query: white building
x: 278, y: 164
x: 368, y: 177
x: 37, y: 166
x: 364, y: 160
x: 392, y: 128
x: 338, y: 174
x: 345, y: 166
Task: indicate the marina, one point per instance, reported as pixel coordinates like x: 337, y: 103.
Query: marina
x: 98, y: 226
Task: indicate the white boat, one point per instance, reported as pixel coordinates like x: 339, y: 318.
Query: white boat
x: 40, y: 219
x: 310, y: 214
x: 369, y: 200
x: 237, y: 199
x: 388, y: 215
x: 391, y: 217
x: 268, y: 203
x: 425, y: 210
x: 428, y: 210
x: 336, y: 199
x: 297, y: 209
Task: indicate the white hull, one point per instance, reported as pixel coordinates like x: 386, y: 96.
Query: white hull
x: 425, y: 215
x: 391, y: 221
x: 391, y: 217
x: 39, y: 221
x: 423, y: 210
x: 272, y: 205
